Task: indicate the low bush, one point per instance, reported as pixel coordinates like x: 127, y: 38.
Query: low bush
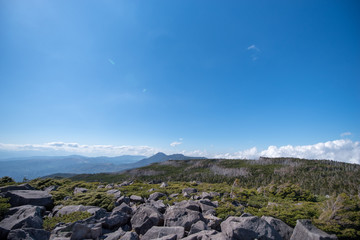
x: 50, y: 222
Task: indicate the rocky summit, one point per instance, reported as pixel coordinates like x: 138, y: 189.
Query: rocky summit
x: 140, y: 218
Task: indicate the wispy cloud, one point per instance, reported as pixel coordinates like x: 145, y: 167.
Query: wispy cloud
x: 111, y: 61
x: 76, y: 148
x: 344, y: 134
x: 343, y: 150
x: 255, y: 52
x: 174, y: 144
x: 253, y: 47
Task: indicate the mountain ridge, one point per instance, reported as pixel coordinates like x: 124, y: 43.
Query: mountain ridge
x: 39, y: 166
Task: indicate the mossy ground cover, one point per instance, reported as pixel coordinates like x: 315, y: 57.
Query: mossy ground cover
x: 50, y: 222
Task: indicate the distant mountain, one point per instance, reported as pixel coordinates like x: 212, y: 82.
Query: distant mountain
x: 33, y: 167
x: 162, y: 157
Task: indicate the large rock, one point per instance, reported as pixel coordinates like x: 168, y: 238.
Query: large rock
x: 130, y: 236
x: 159, y: 232
x: 63, y: 210
x: 188, y: 204
x: 123, y: 208
x: 164, y: 185
x: 206, y: 235
x: 282, y: 228
x: 189, y: 190
x: 122, y: 199
x: 136, y: 199
x: 80, y: 190
x: 29, y: 197
x: 198, y: 227
x: 28, y: 234
x: 21, y: 217
x: 175, y: 216
x: 145, y: 218
x: 206, y: 205
x: 82, y: 231
x: 248, y: 228
x: 114, y: 192
x: 116, y: 219
x: 213, y: 222
x: 155, y: 196
x: 24, y: 186
x: 168, y: 237
x: 159, y: 205
x: 305, y: 230
x: 50, y: 188
x: 115, y: 235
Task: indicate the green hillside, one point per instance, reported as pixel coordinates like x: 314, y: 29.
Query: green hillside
x: 318, y: 176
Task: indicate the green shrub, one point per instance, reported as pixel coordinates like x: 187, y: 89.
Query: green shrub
x: 6, y: 181
x: 50, y: 222
x: 4, y: 206
x: 99, y: 199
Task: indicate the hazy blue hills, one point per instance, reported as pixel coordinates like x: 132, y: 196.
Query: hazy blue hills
x: 33, y: 167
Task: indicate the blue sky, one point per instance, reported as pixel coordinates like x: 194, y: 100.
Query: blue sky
x: 215, y: 77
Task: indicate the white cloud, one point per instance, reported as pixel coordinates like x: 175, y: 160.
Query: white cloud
x: 253, y: 47
x: 343, y: 150
x: 344, y: 134
x: 255, y: 52
x: 76, y: 148
x: 174, y: 144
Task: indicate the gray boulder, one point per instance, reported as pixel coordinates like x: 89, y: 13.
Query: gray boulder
x: 175, y: 216
x: 159, y: 205
x: 206, y: 205
x: 159, y: 232
x: 122, y: 199
x: 155, y: 196
x: 145, y: 218
x: 50, y: 189
x: 116, y: 219
x: 24, y: 186
x: 21, y: 217
x: 80, y: 190
x: 29, y: 197
x: 95, y: 211
x: 213, y: 222
x: 114, y: 192
x: 192, y: 205
x: 28, y: 234
x: 123, y: 208
x: 189, y: 190
x: 248, y: 228
x: 206, y: 235
x: 130, y: 236
x: 82, y: 231
x: 115, y: 235
x: 206, y: 195
x: 198, y: 227
x: 164, y: 185
x: 136, y: 199
x: 282, y: 228
x: 168, y: 237
x: 305, y: 230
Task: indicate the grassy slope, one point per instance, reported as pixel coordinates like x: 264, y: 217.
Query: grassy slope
x: 318, y: 176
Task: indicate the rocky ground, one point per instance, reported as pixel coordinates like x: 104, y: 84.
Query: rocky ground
x: 137, y: 218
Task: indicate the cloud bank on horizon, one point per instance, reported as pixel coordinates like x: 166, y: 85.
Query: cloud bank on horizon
x: 344, y: 150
